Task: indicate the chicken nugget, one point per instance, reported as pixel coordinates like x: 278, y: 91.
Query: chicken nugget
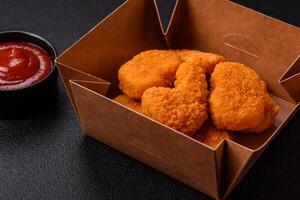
x: 271, y: 110
x: 183, y: 107
x: 239, y: 99
x: 210, y: 135
x: 147, y: 69
x: 207, y: 61
x: 127, y: 102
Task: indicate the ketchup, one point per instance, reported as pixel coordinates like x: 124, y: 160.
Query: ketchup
x: 22, y: 65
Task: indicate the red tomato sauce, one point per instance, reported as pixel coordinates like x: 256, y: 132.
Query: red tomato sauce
x: 22, y: 65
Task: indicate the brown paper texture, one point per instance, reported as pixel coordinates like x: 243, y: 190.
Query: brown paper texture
x: 89, y: 70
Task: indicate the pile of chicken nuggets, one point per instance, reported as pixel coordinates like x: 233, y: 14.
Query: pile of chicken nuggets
x: 196, y: 93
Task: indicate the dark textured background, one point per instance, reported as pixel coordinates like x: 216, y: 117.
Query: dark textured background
x: 47, y: 156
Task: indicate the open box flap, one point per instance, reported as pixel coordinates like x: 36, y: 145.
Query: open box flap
x: 134, y: 27
x: 240, y: 34
x: 291, y: 80
x: 98, y: 87
x: 68, y: 74
x: 237, y: 161
x: 151, y: 142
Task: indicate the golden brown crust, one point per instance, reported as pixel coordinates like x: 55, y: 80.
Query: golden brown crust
x: 239, y: 99
x: 183, y: 107
x: 127, y: 102
x: 210, y: 135
x: 205, y: 60
x: 147, y: 69
x: 271, y: 110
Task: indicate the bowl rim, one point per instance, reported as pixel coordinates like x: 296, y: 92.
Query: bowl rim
x: 47, y: 42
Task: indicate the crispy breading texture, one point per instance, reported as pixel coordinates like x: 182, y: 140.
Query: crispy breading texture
x: 239, y: 100
x: 183, y: 107
x: 205, y: 60
x: 210, y: 135
x: 271, y: 110
x: 147, y: 69
x: 127, y: 102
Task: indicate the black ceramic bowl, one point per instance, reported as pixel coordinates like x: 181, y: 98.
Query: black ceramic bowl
x: 37, y: 97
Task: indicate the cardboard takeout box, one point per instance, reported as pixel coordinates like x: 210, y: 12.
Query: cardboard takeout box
x: 89, y: 69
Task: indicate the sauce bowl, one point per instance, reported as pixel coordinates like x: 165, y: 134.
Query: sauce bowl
x: 21, y: 102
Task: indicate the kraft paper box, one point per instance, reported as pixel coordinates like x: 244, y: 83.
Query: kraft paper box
x: 89, y: 70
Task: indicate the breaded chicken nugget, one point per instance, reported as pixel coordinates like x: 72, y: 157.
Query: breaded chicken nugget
x: 148, y: 69
x: 183, y: 107
x: 210, y: 135
x: 239, y: 100
x: 207, y: 61
x: 271, y: 110
x: 127, y: 102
